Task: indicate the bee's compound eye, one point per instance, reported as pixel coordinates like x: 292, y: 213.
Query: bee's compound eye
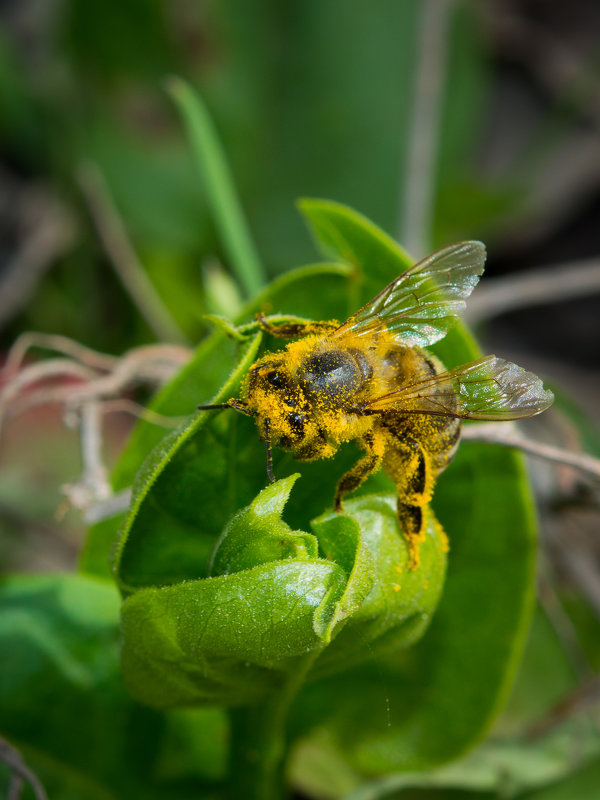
x: 274, y: 379
x: 296, y: 422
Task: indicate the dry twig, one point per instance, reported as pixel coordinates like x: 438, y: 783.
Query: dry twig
x: 123, y: 258
x: 93, y: 484
x: 496, y: 296
x: 20, y: 773
x: 110, y: 507
x: 87, y: 385
x: 60, y: 344
x: 508, y: 435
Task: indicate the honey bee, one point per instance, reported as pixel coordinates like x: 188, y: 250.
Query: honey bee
x: 372, y: 380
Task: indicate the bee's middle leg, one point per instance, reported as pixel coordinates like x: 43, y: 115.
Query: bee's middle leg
x: 365, y: 466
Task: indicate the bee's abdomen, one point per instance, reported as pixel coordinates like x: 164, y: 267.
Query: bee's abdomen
x: 438, y: 435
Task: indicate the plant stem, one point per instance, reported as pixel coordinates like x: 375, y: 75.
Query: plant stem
x: 259, y: 743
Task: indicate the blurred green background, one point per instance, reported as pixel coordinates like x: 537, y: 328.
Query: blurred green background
x: 439, y: 120
x: 308, y: 99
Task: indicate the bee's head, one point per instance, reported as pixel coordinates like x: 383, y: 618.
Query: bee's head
x: 278, y: 402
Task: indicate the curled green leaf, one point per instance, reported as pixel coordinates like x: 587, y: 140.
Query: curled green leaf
x: 276, y: 595
x: 386, y: 604
x: 257, y: 534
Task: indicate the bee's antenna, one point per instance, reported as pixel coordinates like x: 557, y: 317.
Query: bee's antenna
x: 269, y: 451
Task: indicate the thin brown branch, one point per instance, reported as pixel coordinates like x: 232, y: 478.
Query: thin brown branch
x: 51, y: 369
x: 123, y: 258
x: 96, y: 390
x: 152, y: 364
x: 15, y: 789
x: 507, y: 435
x: 553, y: 284
x: 60, y: 344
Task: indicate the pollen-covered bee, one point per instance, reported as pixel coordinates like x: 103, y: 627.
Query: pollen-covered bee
x: 372, y: 380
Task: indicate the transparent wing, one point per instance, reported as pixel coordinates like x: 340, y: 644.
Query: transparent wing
x: 420, y: 305
x: 487, y: 389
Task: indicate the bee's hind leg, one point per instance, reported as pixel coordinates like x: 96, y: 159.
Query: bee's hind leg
x: 374, y: 445
x: 411, y: 469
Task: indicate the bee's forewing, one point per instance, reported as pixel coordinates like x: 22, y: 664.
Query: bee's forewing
x: 419, y: 306
x: 487, y: 389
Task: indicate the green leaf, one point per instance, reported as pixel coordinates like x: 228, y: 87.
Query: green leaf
x: 228, y: 640
x: 582, y: 785
x: 59, y: 639
x: 218, y: 182
x: 258, y: 535
x: 515, y: 767
x: 65, y: 708
x: 346, y: 235
x: 271, y: 600
x: 316, y: 291
x: 386, y: 605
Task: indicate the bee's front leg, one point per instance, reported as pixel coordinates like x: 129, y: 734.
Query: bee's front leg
x: 295, y: 330
x: 374, y: 443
